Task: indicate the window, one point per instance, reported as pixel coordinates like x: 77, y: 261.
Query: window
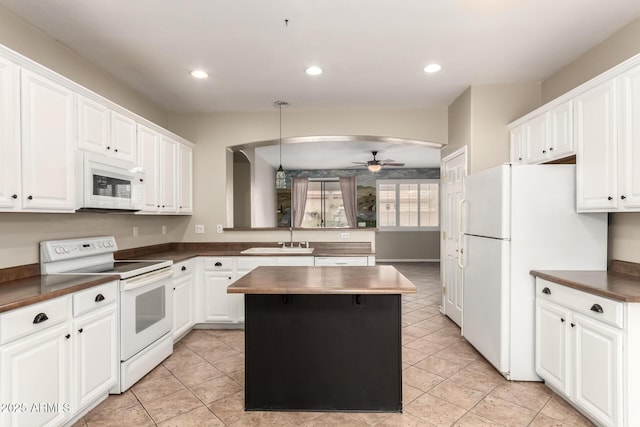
x: 324, y: 207
x: 408, y: 204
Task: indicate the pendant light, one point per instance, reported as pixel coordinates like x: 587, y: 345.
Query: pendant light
x: 281, y: 178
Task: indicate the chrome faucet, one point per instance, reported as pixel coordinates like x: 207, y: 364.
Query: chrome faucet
x: 291, y: 237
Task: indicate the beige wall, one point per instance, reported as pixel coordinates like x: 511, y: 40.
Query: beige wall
x: 478, y: 118
x: 459, y: 125
x: 623, y: 44
x: 492, y: 108
x: 408, y: 246
x: 212, y: 133
x: 21, y: 233
x: 624, y: 229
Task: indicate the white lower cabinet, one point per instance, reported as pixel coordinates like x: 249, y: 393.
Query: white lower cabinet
x: 55, y: 366
x: 35, y: 372
x: 217, y: 306
x: 580, y: 339
x: 96, y: 353
x: 345, y: 261
x: 183, y: 298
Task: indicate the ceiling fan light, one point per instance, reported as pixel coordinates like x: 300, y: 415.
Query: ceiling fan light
x: 374, y: 168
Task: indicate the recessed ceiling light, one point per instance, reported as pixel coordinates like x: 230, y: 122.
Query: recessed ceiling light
x: 432, y: 68
x: 199, y: 74
x: 314, y: 71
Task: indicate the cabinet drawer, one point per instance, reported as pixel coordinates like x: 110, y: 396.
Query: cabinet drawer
x: 183, y: 268
x: 294, y: 261
x: 95, y: 297
x: 594, y: 306
x: 249, y: 263
x: 33, y: 318
x: 219, y: 263
x: 341, y: 261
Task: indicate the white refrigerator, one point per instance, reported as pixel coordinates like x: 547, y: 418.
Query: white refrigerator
x: 519, y: 218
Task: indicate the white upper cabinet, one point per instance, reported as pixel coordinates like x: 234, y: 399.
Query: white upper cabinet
x: 608, y: 135
x: 9, y: 136
x: 560, y: 131
x: 149, y: 158
x: 123, y: 137
x: 48, y: 135
x: 534, y: 134
x: 630, y: 140
x: 168, y: 175
x: 596, y: 121
x: 185, y: 178
x: 103, y: 131
x: 93, y: 125
x: 545, y: 137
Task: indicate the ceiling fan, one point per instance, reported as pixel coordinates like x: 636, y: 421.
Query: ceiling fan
x: 375, y: 165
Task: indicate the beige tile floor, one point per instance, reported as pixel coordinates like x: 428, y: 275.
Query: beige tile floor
x: 445, y: 382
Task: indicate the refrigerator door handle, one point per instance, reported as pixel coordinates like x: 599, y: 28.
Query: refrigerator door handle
x: 461, y: 202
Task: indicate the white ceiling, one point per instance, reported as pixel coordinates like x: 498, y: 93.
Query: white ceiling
x: 373, y: 51
x: 340, y: 155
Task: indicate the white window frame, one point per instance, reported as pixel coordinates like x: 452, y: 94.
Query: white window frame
x: 399, y: 227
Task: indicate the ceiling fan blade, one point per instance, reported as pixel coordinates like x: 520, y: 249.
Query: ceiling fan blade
x: 386, y: 161
x: 360, y: 163
x: 392, y: 164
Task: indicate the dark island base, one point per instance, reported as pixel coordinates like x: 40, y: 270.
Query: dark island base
x: 323, y: 353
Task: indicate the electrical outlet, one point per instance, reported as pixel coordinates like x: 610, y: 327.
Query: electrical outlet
x: 219, y: 229
x: 199, y: 229
x: 135, y: 230
x: 345, y: 235
x: 164, y: 229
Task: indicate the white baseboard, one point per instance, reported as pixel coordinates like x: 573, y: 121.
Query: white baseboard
x: 407, y: 260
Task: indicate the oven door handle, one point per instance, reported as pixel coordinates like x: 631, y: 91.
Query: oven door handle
x: 145, y: 279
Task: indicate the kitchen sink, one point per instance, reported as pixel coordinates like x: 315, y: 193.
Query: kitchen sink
x: 278, y: 250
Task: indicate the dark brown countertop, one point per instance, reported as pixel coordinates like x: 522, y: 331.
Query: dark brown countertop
x: 614, y: 283
x: 383, y: 279
x: 22, y: 292
x: 23, y: 285
x: 182, y: 252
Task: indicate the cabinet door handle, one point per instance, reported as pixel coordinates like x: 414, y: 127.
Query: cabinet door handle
x: 550, y: 148
x: 108, y: 148
x: 141, y: 180
x: 609, y: 198
x: 40, y: 317
x: 229, y: 277
x: 99, y: 298
x: 597, y: 308
x: 218, y: 264
x: 544, y: 151
x: 623, y: 197
x: 81, y: 330
x: 116, y: 150
x: 546, y: 291
x: 184, y: 268
x: 30, y: 197
x: 573, y: 325
x: 15, y: 196
x: 519, y: 158
x: 67, y: 336
x: 562, y: 320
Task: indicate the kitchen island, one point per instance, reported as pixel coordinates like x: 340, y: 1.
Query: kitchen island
x: 323, y: 338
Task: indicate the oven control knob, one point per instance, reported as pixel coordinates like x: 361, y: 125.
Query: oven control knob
x: 59, y: 250
x: 67, y: 249
x: 110, y: 244
x: 99, y: 244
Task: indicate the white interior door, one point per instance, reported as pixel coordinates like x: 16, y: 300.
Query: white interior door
x: 454, y: 168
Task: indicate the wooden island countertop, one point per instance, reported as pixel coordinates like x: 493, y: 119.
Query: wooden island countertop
x: 380, y: 280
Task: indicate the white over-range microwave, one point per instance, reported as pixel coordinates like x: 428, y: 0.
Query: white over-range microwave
x: 108, y: 184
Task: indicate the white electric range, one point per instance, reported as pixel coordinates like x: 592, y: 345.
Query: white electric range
x: 145, y: 304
